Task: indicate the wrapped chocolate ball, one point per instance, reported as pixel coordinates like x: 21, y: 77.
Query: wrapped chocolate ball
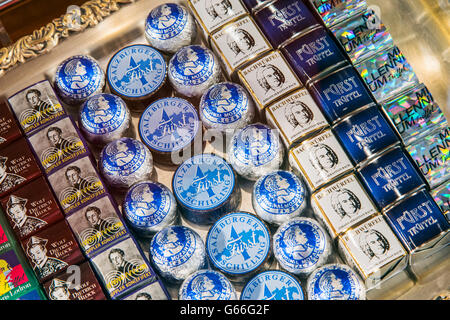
x: 77, y: 78
x: 301, y: 245
x: 193, y: 69
x: 335, y: 282
x: 149, y: 207
x: 207, y: 285
x: 255, y: 150
x: 170, y: 27
x: 104, y: 118
x: 176, y: 252
x: 124, y: 162
x: 226, y: 106
x: 278, y: 197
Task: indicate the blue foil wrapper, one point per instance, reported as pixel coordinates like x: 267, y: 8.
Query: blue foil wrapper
x: 335, y: 282
x: 278, y: 197
x: 387, y: 74
x: 206, y: 188
x: 238, y: 244
x: 363, y: 35
x: 340, y: 93
x: 390, y: 177
x: 124, y: 162
x: 417, y: 220
x: 415, y: 114
x: 312, y: 53
x: 207, y: 285
x: 365, y: 133
x: 77, y: 78
x: 281, y: 20
x: 432, y: 156
x: 301, y: 245
x: 177, y: 252
x: 335, y: 11
x: 149, y: 207
x: 273, y: 285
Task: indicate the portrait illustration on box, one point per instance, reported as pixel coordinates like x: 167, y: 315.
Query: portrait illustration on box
x: 298, y: 114
x: 124, y: 270
x: 345, y: 203
x: 219, y: 9
x: 323, y: 158
x: 16, y: 209
x: 374, y: 244
x: 43, y: 265
x: 240, y: 41
x: 270, y: 78
x: 8, y: 180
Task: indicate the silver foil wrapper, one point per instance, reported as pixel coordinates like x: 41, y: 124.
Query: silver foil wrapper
x: 170, y: 27
x: 125, y: 162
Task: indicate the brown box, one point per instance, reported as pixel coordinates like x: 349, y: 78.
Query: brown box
x: 9, y: 128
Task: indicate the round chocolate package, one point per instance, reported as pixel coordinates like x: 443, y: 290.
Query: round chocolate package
x: 138, y: 74
x: 193, y: 69
x: 278, y: 197
x: 301, y: 245
x: 255, y: 150
x: 124, y: 162
x: 226, y: 106
x: 169, y: 126
x: 170, y: 27
x: 77, y: 78
x: 206, y: 188
x: 104, y: 118
x: 239, y: 245
x: 177, y: 252
x: 207, y: 285
x: 335, y: 282
x: 149, y: 207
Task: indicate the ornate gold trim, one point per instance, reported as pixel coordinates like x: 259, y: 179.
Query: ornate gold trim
x: 44, y: 39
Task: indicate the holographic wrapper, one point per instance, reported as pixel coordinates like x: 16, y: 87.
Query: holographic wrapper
x: 170, y: 27
x: 197, y: 287
x: 432, y: 156
x: 193, y: 69
x: 226, y: 106
x: 255, y: 150
x: 124, y: 162
x: 362, y: 36
x: 441, y: 196
x: 335, y: 11
x: 387, y: 74
x: 104, y: 118
x: 415, y: 114
x: 177, y: 252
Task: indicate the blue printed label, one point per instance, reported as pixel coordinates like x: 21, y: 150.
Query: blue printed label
x: 207, y: 285
x: 273, y: 285
x: 224, y: 103
x: 166, y: 21
x: 124, y: 156
x: 238, y: 243
x: 173, y: 246
x: 103, y: 113
x: 147, y: 204
x: 335, y: 283
x: 169, y: 124
x: 280, y: 193
x: 192, y: 65
x: 203, y: 182
x: 136, y: 71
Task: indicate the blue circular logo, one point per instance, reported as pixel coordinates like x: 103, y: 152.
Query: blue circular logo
x: 103, y: 113
x: 147, y: 204
x: 238, y: 243
x: 136, y: 71
x: 255, y: 144
x: 207, y: 285
x: 335, y: 282
x: 79, y: 76
x: 279, y: 193
x: 192, y: 65
x: 299, y: 244
x: 203, y: 182
x: 224, y: 103
x: 166, y: 21
x: 124, y: 156
x: 173, y: 246
x: 273, y: 285
x: 169, y: 124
